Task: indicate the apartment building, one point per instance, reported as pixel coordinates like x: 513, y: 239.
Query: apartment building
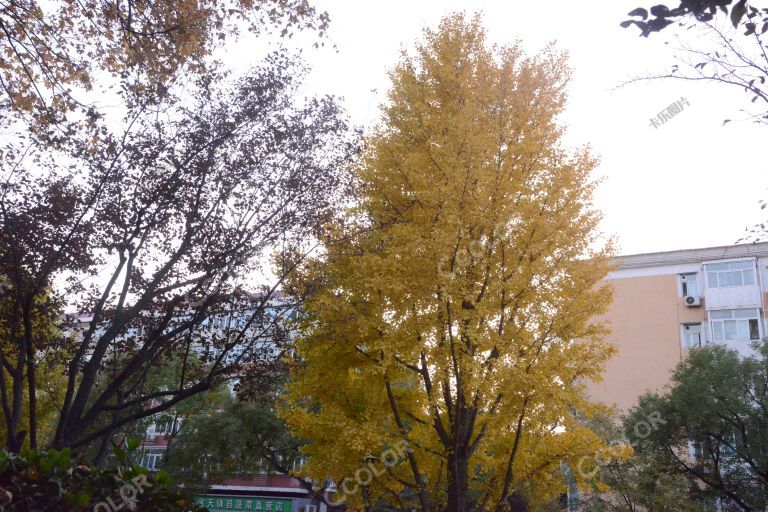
x: 665, y: 303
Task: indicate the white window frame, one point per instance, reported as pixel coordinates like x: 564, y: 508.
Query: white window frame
x: 719, y: 273
x: 738, y: 322
x: 685, y: 329
x: 151, y: 457
x: 165, y: 427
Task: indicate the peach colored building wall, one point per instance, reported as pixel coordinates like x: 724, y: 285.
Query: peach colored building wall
x: 645, y: 319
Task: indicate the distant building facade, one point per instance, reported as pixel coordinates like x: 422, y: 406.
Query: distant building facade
x: 668, y: 302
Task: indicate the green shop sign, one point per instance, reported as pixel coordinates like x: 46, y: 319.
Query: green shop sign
x: 221, y: 503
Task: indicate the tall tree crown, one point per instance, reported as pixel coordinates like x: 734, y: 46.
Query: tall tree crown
x: 453, y: 308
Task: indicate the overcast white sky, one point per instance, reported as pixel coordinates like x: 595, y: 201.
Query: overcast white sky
x: 689, y: 183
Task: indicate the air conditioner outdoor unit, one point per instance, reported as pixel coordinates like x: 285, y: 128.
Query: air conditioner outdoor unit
x: 692, y: 301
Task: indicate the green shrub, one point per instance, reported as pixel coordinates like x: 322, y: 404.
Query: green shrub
x: 51, y: 481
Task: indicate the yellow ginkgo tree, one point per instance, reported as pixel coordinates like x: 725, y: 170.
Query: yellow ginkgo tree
x: 449, y: 325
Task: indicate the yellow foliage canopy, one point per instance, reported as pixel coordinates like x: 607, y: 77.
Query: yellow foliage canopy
x: 452, y: 310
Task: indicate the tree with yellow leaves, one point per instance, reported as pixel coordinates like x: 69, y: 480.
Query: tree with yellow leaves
x: 449, y: 323
x: 55, y: 53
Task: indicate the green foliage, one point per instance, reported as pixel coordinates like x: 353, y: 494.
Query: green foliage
x: 52, y: 481
x: 163, y: 376
x: 717, y: 408
x: 640, y: 483
x: 631, y: 483
x: 234, y: 438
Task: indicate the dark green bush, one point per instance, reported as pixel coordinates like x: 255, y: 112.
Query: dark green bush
x: 51, y: 481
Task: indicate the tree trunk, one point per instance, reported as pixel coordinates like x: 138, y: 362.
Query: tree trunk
x: 15, y: 435
x: 31, y: 377
x: 458, y: 482
x: 14, y: 441
x: 101, y: 454
x: 517, y: 503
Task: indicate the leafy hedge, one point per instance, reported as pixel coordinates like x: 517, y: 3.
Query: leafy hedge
x: 51, y: 481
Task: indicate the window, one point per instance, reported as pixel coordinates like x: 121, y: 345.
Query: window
x: 165, y: 426
x: 728, y: 444
x: 730, y: 273
x: 702, y: 448
x: 152, y: 457
x: 735, y: 324
x: 695, y: 450
x: 688, y: 282
x: 691, y: 335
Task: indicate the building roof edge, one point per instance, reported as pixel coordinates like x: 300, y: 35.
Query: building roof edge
x: 683, y: 256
